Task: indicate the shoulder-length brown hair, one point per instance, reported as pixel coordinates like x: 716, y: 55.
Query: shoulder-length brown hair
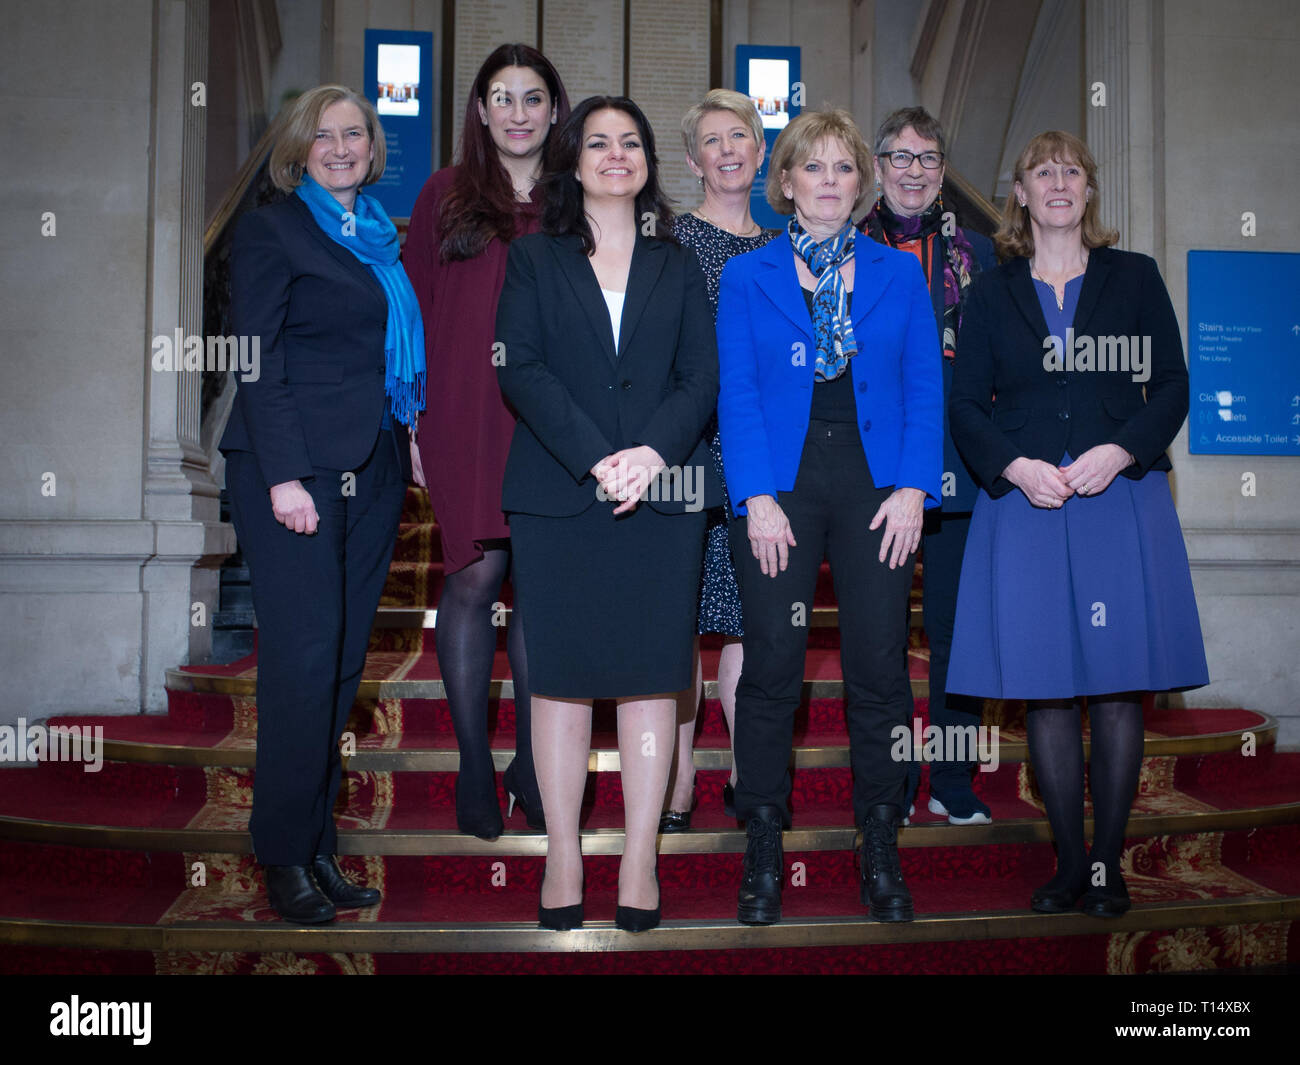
x: 289, y: 153
x: 1015, y: 236
x: 480, y: 206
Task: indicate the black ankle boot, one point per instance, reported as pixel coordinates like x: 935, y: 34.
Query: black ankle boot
x: 338, y: 888
x: 295, y: 895
x: 764, y: 868
x: 883, y: 891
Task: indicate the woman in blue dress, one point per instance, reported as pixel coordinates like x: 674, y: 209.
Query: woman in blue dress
x: 1069, y: 384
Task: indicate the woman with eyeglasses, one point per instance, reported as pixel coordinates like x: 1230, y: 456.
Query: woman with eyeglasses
x: 909, y: 214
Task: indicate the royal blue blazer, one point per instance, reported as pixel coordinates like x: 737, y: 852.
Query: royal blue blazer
x: 767, y: 358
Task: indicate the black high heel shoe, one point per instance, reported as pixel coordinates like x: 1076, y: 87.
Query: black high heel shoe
x: 631, y: 919
x: 729, y: 799
x: 483, y: 821
x: 560, y: 918
x: 534, y: 816
x: 679, y: 820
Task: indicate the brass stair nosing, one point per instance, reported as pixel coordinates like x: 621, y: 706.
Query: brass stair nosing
x: 179, y: 681
x: 526, y: 937
x: 609, y: 841
x: 605, y: 760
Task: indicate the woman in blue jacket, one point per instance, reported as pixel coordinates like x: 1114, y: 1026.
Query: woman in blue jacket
x: 830, y: 413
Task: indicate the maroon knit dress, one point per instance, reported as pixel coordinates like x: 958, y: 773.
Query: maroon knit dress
x: 466, y: 427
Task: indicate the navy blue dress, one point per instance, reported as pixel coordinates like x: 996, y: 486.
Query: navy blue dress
x: 1090, y: 598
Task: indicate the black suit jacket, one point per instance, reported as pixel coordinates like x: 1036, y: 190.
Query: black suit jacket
x: 1006, y: 404
x: 320, y: 318
x: 577, y: 399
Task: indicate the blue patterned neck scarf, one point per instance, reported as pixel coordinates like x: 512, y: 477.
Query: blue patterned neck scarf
x: 369, y: 234
x: 831, y: 323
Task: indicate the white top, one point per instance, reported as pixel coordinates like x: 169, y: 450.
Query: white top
x: 614, y: 300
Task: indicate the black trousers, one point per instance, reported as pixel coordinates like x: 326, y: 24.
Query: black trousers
x: 829, y: 509
x: 944, y: 544
x: 315, y: 598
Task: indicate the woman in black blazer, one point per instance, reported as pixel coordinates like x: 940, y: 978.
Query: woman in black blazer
x: 1069, y: 384
x: 607, y: 354
x: 317, y: 459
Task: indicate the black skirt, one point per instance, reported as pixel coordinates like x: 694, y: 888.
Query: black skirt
x: 609, y: 604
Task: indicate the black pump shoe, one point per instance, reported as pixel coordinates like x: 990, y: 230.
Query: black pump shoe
x: 1059, y: 895
x: 295, y: 895
x: 759, y: 900
x: 631, y: 919
x: 534, y: 816
x: 1110, y: 900
x: 338, y: 888
x: 483, y: 821
x: 882, y: 889
x: 679, y: 820
x: 560, y: 918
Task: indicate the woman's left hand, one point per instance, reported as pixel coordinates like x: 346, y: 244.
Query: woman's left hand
x: 903, y: 513
x: 626, y: 475
x: 1091, y: 473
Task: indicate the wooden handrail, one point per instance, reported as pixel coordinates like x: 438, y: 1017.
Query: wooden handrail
x: 977, y: 198
x: 239, y: 187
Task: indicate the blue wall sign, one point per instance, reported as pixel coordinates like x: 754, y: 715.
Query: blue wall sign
x: 1243, y: 357
x: 770, y: 76
x: 399, y: 82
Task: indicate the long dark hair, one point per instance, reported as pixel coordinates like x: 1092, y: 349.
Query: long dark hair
x: 563, y: 211
x: 480, y: 205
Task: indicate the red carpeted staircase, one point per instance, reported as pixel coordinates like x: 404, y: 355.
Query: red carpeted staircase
x: 145, y: 866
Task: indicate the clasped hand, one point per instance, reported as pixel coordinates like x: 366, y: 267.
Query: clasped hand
x: 1050, y: 486
x: 626, y: 475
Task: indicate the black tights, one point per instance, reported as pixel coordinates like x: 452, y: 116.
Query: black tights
x: 1056, y: 751
x: 466, y: 644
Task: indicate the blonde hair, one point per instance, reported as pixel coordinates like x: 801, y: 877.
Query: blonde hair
x: 799, y: 140
x: 737, y: 103
x: 1015, y: 236
x: 289, y: 154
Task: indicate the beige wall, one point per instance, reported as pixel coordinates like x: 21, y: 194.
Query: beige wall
x: 1232, y: 144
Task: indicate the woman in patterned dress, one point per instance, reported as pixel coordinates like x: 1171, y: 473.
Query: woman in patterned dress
x: 724, y: 149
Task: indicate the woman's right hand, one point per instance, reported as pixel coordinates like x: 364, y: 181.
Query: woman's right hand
x: 417, y: 467
x: 1043, y: 484
x: 770, y: 536
x: 294, y: 507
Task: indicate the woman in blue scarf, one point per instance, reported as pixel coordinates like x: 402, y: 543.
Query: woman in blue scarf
x: 829, y: 410
x: 317, y: 460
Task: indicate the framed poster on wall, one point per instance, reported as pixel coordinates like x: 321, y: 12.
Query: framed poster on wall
x: 399, y: 82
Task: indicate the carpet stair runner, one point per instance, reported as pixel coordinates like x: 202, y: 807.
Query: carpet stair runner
x: 145, y: 865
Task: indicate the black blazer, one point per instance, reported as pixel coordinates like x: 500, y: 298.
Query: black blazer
x: 576, y: 399
x: 320, y: 318
x: 1006, y: 404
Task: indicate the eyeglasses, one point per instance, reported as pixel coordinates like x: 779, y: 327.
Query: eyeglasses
x: 902, y: 159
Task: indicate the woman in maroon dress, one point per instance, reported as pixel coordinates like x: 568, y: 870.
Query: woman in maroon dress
x: 455, y: 255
